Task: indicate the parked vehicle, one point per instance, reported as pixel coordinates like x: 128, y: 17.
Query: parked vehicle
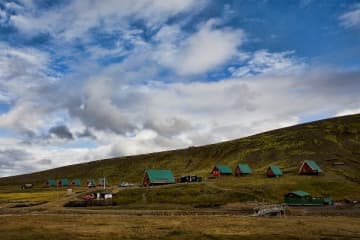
x: 27, y: 186
x: 124, y: 184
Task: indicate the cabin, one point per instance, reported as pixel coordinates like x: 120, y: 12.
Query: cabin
x: 158, y: 177
x: 297, y: 198
x: 274, y: 171
x: 300, y: 198
x: 242, y: 169
x: 221, y: 170
x: 64, y: 182
x: 186, y: 179
x: 51, y: 183
x: 76, y: 182
x: 91, y: 183
x: 309, y: 167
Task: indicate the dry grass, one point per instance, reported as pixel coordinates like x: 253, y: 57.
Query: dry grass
x: 179, y: 227
x: 45, y: 195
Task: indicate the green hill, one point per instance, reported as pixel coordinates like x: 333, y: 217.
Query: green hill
x: 326, y: 141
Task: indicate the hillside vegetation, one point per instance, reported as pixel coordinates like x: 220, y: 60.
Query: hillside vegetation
x: 326, y: 142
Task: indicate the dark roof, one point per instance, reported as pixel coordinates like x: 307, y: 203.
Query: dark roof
x: 160, y: 176
x: 223, y: 169
x: 244, y: 168
x: 313, y: 165
x: 276, y: 170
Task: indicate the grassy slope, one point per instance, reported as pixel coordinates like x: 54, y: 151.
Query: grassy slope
x: 104, y: 226
x: 326, y: 141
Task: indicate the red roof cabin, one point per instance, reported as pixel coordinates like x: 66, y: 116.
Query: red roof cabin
x: 310, y: 167
x: 221, y: 170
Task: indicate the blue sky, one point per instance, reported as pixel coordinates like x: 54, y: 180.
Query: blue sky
x: 82, y: 80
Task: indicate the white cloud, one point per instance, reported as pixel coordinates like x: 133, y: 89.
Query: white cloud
x: 262, y: 61
x: 202, y: 51
x: 348, y: 112
x: 79, y: 16
x: 351, y: 18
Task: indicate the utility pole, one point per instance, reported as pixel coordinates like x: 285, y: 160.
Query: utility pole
x: 104, y: 182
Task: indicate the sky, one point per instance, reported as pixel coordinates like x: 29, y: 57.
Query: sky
x: 82, y: 80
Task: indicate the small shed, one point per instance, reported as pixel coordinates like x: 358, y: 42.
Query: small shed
x: 76, y: 182
x: 221, y: 170
x: 104, y: 195
x: 91, y: 183
x: 274, y: 171
x: 310, y: 167
x: 242, y: 169
x: 185, y: 179
x: 158, y: 177
x: 51, y: 183
x: 64, y: 182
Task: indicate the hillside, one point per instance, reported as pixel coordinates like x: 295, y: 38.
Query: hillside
x: 326, y: 141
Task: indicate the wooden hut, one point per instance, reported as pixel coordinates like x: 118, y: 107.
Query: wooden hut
x: 221, y: 170
x: 158, y: 177
x: 274, y: 171
x: 51, y: 183
x: 76, y: 182
x: 310, y: 167
x: 64, y: 182
x: 242, y: 169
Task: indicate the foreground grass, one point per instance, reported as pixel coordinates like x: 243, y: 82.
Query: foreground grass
x: 179, y: 227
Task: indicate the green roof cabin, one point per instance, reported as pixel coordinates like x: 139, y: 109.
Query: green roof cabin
x: 158, y: 177
x: 242, y: 169
x: 91, y: 183
x: 298, y: 198
x: 76, y: 182
x: 51, y: 183
x: 310, y: 167
x: 274, y: 171
x: 64, y: 182
x: 221, y: 170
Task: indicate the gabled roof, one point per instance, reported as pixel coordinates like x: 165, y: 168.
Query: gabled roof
x: 276, y: 170
x: 64, y: 181
x: 300, y: 193
x: 77, y: 182
x: 313, y: 165
x: 224, y: 169
x: 244, y: 168
x: 160, y: 176
x: 51, y: 182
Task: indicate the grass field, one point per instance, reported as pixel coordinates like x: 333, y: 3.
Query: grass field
x: 180, y: 227
x: 326, y: 142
